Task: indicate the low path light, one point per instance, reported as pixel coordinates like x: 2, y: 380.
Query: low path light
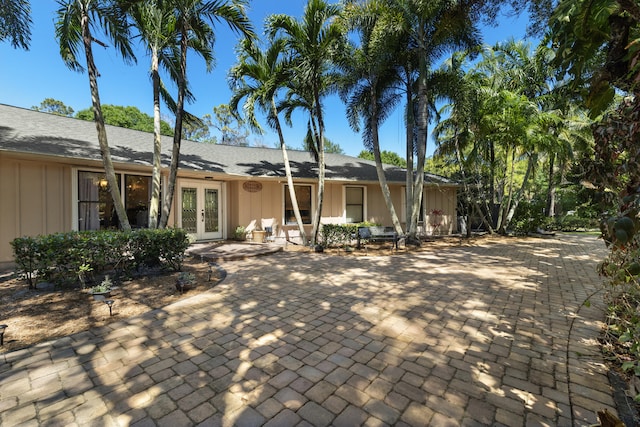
x: 2, y: 328
x: 109, y: 302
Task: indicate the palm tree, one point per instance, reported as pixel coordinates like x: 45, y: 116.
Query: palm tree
x: 313, y: 42
x: 156, y: 26
x: 73, y: 31
x: 256, y: 78
x: 194, y: 32
x: 369, y: 76
x: 15, y: 23
x: 430, y: 30
x: 455, y: 136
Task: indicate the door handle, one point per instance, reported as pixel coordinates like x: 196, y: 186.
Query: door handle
x: 202, y: 215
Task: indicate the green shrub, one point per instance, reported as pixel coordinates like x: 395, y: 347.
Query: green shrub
x: 66, y: 258
x: 25, y: 254
x: 529, y: 216
x: 333, y: 235
x: 575, y: 222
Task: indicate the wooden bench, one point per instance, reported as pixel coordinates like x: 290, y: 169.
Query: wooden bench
x: 377, y: 234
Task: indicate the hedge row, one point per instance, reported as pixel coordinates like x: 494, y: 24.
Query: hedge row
x: 69, y: 258
x: 332, y: 235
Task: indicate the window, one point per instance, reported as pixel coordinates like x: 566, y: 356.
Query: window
x: 403, y: 209
x: 354, y: 204
x: 95, y: 207
x: 303, y: 196
x: 136, y: 200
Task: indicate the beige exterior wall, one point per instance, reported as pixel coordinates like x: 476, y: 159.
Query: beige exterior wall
x: 246, y: 207
x: 444, y: 199
x: 35, y: 199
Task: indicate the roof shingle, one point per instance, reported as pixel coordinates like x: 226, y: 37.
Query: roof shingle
x: 33, y: 132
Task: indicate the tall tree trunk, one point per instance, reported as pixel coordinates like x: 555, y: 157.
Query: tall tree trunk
x: 321, y: 167
x: 382, y: 179
x: 287, y: 170
x: 177, y: 131
x: 422, y: 123
x: 105, y: 151
x: 505, y: 202
x: 530, y: 165
x: 551, y: 188
x: 471, y: 202
x: 409, y: 154
x: 154, y: 204
x: 485, y: 208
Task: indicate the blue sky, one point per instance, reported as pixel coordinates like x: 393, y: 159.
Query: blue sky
x: 28, y: 77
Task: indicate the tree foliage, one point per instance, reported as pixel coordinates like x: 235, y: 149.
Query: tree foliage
x: 388, y: 157
x: 126, y: 117
x: 231, y: 127
x: 53, y: 106
x: 15, y: 22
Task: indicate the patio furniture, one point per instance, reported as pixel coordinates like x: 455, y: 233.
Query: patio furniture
x: 377, y: 234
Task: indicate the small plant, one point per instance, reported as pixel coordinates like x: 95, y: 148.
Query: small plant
x: 104, y: 286
x: 186, y: 277
x: 83, y: 271
x: 240, y: 233
x: 435, y: 217
x: 185, y: 281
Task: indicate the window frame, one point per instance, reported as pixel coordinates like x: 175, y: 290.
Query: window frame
x: 285, y: 195
x: 344, y: 203
x: 75, y: 185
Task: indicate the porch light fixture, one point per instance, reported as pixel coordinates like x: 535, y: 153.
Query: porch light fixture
x: 103, y: 183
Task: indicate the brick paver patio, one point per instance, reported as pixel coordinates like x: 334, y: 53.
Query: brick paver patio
x: 490, y: 334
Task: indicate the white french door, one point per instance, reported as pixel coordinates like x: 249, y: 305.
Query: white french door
x: 201, y: 209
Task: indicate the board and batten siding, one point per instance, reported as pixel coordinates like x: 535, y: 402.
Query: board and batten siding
x: 35, y: 198
x: 444, y: 199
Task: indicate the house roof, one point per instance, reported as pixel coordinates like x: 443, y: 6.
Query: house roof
x: 33, y: 132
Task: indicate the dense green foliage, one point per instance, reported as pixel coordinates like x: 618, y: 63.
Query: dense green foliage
x: 54, y: 106
x: 387, y: 157
x: 15, y: 23
x: 126, y: 117
x: 334, y: 235
x: 62, y: 258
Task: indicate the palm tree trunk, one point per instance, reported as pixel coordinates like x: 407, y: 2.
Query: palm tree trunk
x: 422, y: 122
x: 485, y: 204
x: 531, y: 163
x: 470, y: 201
x: 507, y: 199
x: 157, y: 143
x: 551, y: 188
x: 409, y: 147
x: 177, y: 131
x: 382, y: 179
x: 105, y: 152
x: 287, y: 170
x: 321, y: 167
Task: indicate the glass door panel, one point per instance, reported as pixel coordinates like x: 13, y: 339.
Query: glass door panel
x: 189, y: 210
x: 211, y: 211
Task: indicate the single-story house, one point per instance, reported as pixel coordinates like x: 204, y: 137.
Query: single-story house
x: 52, y: 180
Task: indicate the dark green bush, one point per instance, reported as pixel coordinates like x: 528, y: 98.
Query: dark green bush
x: 575, y: 223
x: 340, y: 234
x: 26, y: 258
x: 66, y: 258
x: 529, y: 216
x: 165, y: 247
